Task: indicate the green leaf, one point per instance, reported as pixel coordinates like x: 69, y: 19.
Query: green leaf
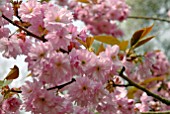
x: 107, y: 39
x: 141, y: 42
x: 1, y: 83
x: 7, y: 82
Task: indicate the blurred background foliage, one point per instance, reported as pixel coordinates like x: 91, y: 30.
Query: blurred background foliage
x: 149, y: 8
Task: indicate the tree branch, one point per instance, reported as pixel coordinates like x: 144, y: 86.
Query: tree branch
x: 30, y: 33
x: 149, y: 18
x: 149, y: 93
x: 24, y: 29
x: 159, y: 112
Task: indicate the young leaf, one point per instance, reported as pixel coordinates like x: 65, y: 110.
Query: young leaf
x: 123, y: 45
x: 81, y: 42
x: 100, y: 49
x: 140, y: 34
x: 13, y: 74
x: 141, y: 42
x: 147, y: 30
x: 149, y: 80
x: 107, y: 39
x: 1, y: 83
x: 136, y: 36
x: 89, y: 41
x: 30, y: 74
x: 83, y: 1
x: 131, y: 92
x: 7, y: 82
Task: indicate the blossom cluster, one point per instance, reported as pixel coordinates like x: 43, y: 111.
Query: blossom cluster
x: 100, y: 16
x: 55, y: 56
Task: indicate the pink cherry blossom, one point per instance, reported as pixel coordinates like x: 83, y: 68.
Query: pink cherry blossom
x: 4, y: 32
x: 10, y: 47
x: 85, y: 91
x: 59, y: 39
x: 38, y: 100
x: 81, y: 60
x: 102, y: 21
x: 60, y: 68
x: 58, y: 19
x: 68, y: 78
x: 29, y: 9
x: 7, y: 11
x: 11, y: 105
x: 101, y: 67
x: 81, y: 110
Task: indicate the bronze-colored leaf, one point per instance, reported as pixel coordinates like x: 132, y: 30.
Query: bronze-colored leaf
x: 13, y: 74
x: 141, y: 42
x: 136, y: 37
x: 100, y: 49
x: 83, y: 1
x: 131, y: 92
x: 89, y: 41
x: 81, y: 42
x: 149, y: 80
x: 123, y: 45
x: 140, y: 34
x: 147, y: 30
x: 107, y: 39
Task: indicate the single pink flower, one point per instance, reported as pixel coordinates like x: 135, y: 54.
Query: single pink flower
x: 11, y: 105
x: 10, y: 46
x: 56, y: 18
x: 29, y: 9
x: 85, y: 91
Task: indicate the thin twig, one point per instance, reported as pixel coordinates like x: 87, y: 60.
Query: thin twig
x: 63, y: 85
x: 15, y: 91
x: 149, y: 93
x: 121, y: 85
x: 149, y: 18
x: 55, y: 87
